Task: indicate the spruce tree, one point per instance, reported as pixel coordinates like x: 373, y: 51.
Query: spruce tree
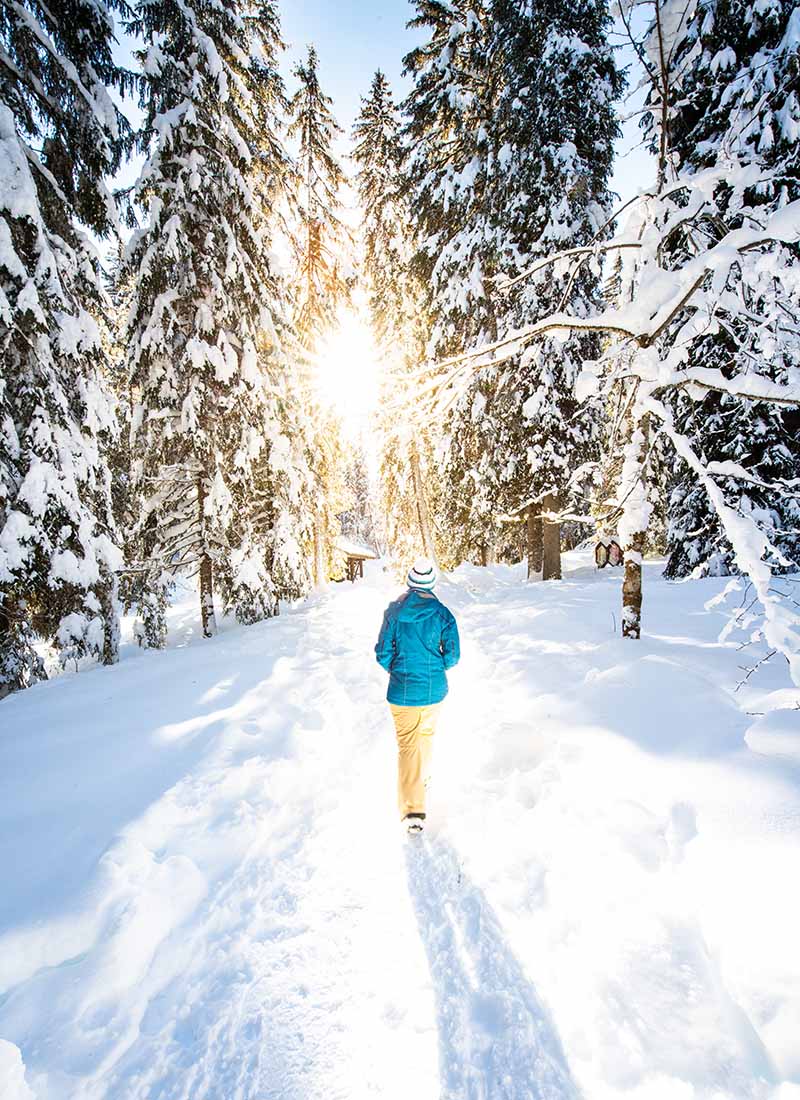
x: 557, y: 125
x: 205, y: 355
x: 321, y: 242
x: 512, y: 125
x: 399, y: 321
x: 394, y: 297
x: 359, y: 519
x: 60, y: 137
x: 734, y: 84
x: 451, y: 141
x: 322, y: 237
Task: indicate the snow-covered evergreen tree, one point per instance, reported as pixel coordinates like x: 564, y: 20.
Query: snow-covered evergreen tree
x: 321, y: 286
x: 207, y: 367
x: 400, y: 323
x: 512, y: 125
x: 359, y: 519
x: 733, y: 71
x: 60, y: 136
x: 322, y: 238
x: 452, y: 147
x: 557, y: 125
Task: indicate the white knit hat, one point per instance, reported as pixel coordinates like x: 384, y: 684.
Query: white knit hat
x: 423, y: 576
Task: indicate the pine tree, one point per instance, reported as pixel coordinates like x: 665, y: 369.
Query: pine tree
x: 359, y: 519
x: 557, y: 125
x: 321, y: 243
x: 512, y: 124
x: 399, y: 321
x: 207, y: 366
x: 394, y: 297
x: 322, y: 237
x: 451, y: 141
x: 734, y: 83
x: 60, y: 136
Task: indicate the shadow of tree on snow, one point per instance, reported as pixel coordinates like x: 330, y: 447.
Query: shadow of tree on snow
x: 496, y: 1039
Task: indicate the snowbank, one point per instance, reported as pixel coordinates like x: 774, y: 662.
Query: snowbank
x: 206, y: 893
x: 12, y: 1074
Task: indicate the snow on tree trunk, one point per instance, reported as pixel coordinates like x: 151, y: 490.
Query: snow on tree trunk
x: 632, y: 586
x: 206, y: 585
x: 633, y: 524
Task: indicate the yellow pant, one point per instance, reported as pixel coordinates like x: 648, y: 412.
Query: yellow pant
x: 415, y: 727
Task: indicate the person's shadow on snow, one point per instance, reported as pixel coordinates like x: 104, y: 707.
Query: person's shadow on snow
x: 496, y: 1040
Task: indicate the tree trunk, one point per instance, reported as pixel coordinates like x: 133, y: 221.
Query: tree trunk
x: 632, y: 588
x: 108, y: 606
x: 551, y: 542
x: 534, y: 540
x: 488, y: 553
x: 426, y: 534
x: 320, y: 572
x: 6, y: 680
x: 633, y: 523
x: 207, y: 617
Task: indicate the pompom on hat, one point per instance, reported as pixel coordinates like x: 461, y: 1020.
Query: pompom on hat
x: 423, y: 576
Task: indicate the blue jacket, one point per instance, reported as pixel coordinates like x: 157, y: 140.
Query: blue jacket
x: 418, y: 642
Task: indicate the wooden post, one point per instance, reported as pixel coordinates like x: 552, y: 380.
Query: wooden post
x: 534, y: 540
x: 551, y: 542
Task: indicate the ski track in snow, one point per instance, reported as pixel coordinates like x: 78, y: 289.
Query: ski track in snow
x: 260, y: 929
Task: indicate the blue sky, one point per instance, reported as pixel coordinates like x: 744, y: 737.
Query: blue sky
x: 353, y: 38
x: 356, y: 37
x: 359, y: 36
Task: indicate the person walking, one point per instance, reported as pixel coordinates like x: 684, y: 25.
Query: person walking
x: 417, y: 644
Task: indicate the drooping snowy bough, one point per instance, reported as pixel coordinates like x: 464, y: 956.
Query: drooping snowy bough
x: 708, y: 294
x: 746, y: 283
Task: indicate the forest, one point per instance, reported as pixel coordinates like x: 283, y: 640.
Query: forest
x: 558, y: 368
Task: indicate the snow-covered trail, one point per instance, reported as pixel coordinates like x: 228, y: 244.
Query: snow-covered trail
x: 211, y: 898
x: 236, y: 954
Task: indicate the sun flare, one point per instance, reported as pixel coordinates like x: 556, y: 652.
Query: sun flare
x: 348, y: 371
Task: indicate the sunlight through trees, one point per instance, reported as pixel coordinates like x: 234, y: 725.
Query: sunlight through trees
x: 445, y: 335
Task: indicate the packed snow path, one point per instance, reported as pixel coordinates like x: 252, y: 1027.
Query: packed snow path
x: 208, y: 896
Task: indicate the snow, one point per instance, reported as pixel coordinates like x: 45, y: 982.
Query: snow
x: 206, y: 892
x: 17, y: 189
x: 12, y: 1074
x: 353, y: 546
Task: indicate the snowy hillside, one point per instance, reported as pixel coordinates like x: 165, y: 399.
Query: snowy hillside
x: 207, y: 894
